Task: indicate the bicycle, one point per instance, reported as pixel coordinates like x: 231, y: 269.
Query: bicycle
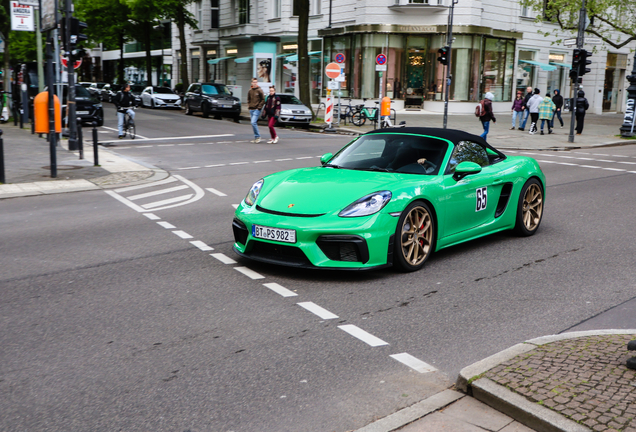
x: 129, y: 124
x: 363, y: 113
x: 346, y: 112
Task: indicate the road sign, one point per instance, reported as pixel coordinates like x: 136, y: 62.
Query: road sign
x: 21, y: 17
x: 341, y: 78
x: 332, y: 70
x: 340, y: 58
x: 569, y: 42
x: 592, y: 40
x: 77, y: 64
x: 333, y: 85
x: 380, y: 59
x: 380, y: 68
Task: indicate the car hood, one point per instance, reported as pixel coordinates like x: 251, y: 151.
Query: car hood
x: 295, y: 107
x: 166, y: 97
x: 319, y: 190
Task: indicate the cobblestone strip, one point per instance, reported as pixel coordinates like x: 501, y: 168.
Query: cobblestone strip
x: 584, y: 379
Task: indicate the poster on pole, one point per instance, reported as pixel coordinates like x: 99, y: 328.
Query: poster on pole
x: 264, y: 70
x: 48, y: 15
x: 21, y: 17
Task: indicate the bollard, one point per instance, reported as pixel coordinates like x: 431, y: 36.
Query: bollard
x: 95, y: 156
x: 21, y: 118
x: 80, y: 139
x: 14, y: 108
x: 32, y: 116
x: 631, y: 362
x: 2, y: 179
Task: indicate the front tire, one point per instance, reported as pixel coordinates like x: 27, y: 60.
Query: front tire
x: 414, y: 237
x: 529, y: 208
x: 358, y: 118
x: 188, y: 111
x: 132, y: 131
x: 204, y: 111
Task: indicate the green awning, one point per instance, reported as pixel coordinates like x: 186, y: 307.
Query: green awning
x: 243, y: 59
x: 295, y: 56
x: 543, y: 66
x: 285, y: 55
x: 217, y: 60
x: 565, y: 65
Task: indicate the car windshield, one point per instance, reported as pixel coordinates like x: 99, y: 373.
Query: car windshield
x: 289, y: 99
x: 81, y: 92
x: 136, y: 89
x: 209, y: 89
x: 162, y: 90
x: 389, y: 152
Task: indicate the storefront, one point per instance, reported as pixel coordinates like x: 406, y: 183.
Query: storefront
x: 615, y: 67
x: 482, y: 61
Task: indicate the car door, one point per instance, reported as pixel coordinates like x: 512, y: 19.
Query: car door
x: 146, y: 96
x: 470, y: 202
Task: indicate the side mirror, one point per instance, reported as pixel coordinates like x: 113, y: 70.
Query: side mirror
x: 231, y: 93
x: 466, y: 168
x: 326, y: 158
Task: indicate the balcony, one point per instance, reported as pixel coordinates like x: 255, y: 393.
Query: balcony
x: 238, y: 31
x: 418, y: 6
x: 205, y: 37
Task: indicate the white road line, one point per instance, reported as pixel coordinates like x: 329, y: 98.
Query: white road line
x: 166, y: 225
x: 589, y: 166
x: 212, y: 166
x: 174, y: 138
x: 413, y: 362
x: 182, y: 234
x: 263, y: 161
x: 188, y: 168
x: 158, y: 183
x: 165, y: 145
x: 281, y: 160
x: 166, y: 202
x: 628, y: 163
x: 317, y: 310
x: 223, y: 258
x: 216, y: 192
x: 249, y: 273
x: 123, y: 200
x: 239, y: 163
x: 235, y: 206
x: 198, y: 193
x: 365, y: 337
x: 201, y: 245
x: 157, y: 192
x: 151, y: 216
x: 614, y: 169
x: 144, y: 146
x: 278, y: 289
x: 188, y: 144
x: 305, y: 157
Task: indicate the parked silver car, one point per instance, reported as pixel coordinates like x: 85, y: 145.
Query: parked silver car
x: 160, y: 97
x: 293, y: 111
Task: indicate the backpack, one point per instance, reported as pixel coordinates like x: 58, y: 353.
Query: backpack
x: 480, y: 111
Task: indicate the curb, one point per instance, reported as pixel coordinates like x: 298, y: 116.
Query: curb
x: 512, y: 404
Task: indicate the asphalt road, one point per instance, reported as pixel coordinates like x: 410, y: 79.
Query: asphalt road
x: 112, y: 320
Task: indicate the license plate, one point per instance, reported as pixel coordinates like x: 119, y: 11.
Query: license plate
x: 225, y: 106
x: 277, y: 234
x: 81, y: 112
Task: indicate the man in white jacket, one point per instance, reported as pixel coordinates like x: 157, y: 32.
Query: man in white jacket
x: 533, y: 107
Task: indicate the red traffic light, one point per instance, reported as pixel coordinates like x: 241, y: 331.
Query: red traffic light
x: 443, y: 55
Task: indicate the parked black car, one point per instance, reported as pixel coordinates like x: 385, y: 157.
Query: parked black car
x: 87, y: 107
x: 212, y: 99
x: 96, y: 89
x: 136, y: 90
x: 109, y: 91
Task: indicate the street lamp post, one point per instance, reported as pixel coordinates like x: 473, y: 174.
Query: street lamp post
x: 627, y: 129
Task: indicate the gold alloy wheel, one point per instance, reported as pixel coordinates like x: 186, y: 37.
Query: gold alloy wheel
x: 417, y: 235
x: 532, y: 207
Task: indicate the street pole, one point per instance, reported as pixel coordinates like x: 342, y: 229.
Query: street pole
x: 70, y: 105
x: 52, y: 137
x: 627, y: 129
x: 449, y: 43
x: 38, y: 41
x: 579, y: 44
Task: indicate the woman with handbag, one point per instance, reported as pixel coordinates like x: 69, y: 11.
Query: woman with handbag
x: 271, y: 111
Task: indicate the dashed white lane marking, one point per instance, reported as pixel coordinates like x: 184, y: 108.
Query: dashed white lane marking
x: 201, y: 245
x: 165, y: 145
x: 249, y: 273
x: 189, y: 168
x: 304, y: 157
x: 188, y: 144
x: 223, y: 258
x: 239, y: 163
x: 216, y: 192
x: 281, y: 290
x: 146, y: 146
x: 182, y: 234
x: 167, y: 202
x: 158, y: 192
x: 212, y: 166
x: 281, y: 160
x: 145, y: 185
x: 413, y: 362
x: 151, y: 216
x: 263, y: 161
x: 169, y: 138
x: 364, y: 336
x: 166, y: 225
x: 317, y: 310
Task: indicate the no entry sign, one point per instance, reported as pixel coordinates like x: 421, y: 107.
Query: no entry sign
x: 333, y: 70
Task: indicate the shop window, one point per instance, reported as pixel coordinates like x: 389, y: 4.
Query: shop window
x: 497, y: 57
x: 525, y: 71
x: 195, y: 66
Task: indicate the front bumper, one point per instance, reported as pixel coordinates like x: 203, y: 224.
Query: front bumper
x: 294, y: 119
x: 327, y: 242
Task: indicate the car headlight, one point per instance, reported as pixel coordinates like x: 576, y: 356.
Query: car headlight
x: 285, y: 111
x: 237, y: 102
x: 250, y: 199
x: 98, y: 105
x: 367, y: 205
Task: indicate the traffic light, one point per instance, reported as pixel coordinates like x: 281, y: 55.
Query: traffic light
x: 576, y: 60
x: 77, y: 28
x: 584, y: 62
x: 443, y: 55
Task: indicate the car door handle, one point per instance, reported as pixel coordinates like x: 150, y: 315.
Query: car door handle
x: 497, y: 181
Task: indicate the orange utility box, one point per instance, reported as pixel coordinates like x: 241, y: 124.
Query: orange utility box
x: 41, y: 112
x: 385, y: 107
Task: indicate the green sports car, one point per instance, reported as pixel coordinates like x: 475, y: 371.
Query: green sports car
x: 389, y: 197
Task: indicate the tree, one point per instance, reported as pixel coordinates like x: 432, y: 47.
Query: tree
x: 610, y: 20
x: 5, y: 29
x: 145, y: 14
x: 301, y: 8
x: 176, y: 11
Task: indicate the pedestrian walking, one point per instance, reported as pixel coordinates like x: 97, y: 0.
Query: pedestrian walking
x: 558, y: 102
x: 546, y: 113
x: 271, y: 111
x: 581, y: 105
x: 526, y: 111
x: 533, y: 108
x: 487, y: 114
x: 517, y: 110
x: 255, y: 102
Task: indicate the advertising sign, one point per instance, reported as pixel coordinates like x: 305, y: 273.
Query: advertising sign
x: 21, y: 17
x: 47, y: 15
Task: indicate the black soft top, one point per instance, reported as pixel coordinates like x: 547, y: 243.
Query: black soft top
x: 453, y: 135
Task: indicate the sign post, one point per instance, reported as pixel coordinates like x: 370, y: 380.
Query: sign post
x: 380, y: 66
x: 340, y: 58
x: 332, y: 70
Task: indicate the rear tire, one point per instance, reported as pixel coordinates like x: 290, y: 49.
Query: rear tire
x: 188, y: 111
x: 204, y: 111
x: 132, y: 131
x: 529, y: 208
x: 414, y: 237
x: 358, y: 118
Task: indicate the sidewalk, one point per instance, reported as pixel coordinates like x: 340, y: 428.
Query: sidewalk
x: 27, y: 161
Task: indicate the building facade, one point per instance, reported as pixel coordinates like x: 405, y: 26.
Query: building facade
x: 498, y: 47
